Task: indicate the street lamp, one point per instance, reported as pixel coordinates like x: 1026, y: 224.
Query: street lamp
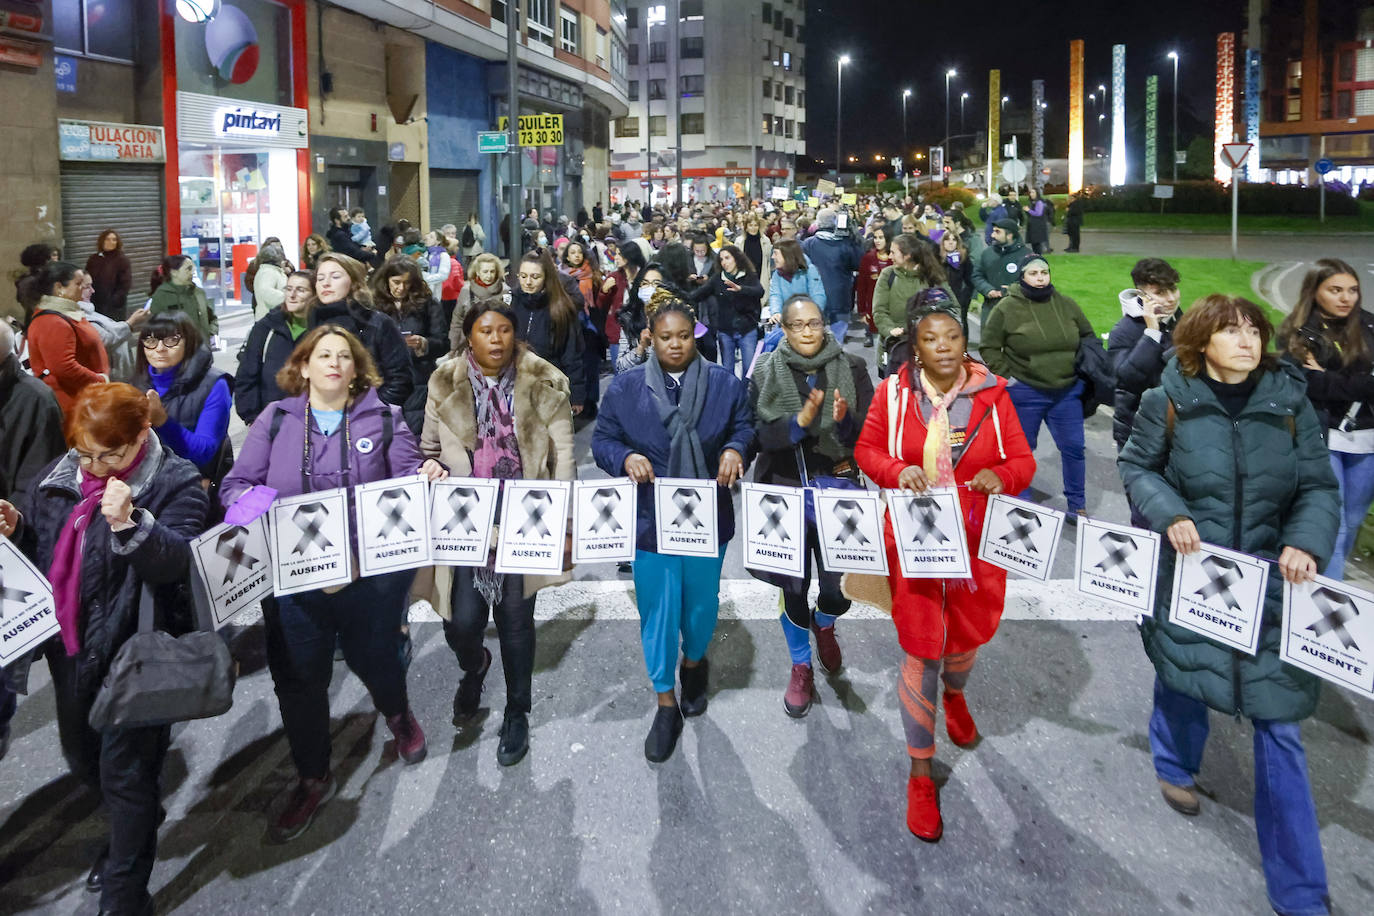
x: 839, y: 76
x: 1173, y: 56
x: 962, y: 99
x: 1005, y: 100
x: 906, y: 94
x: 951, y: 72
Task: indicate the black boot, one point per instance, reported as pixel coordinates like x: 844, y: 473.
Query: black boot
x: 468, y: 698
x: 95, y: 880
x: 663, y: 734
x: 694, y: 687
x: 515, y: 739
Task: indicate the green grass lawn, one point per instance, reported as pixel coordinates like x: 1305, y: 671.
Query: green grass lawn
x: 1094, y: 280
x: 1221, y: 222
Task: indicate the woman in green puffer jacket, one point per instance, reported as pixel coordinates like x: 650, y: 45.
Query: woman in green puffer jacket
x: 1229, y: 451
x: 174, y: 289
x: 915, y: 266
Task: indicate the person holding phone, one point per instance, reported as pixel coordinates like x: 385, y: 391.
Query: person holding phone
x: 1142, y: 341
x: 734, y: 285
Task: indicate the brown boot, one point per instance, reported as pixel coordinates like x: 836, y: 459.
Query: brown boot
x: 1182, y: 799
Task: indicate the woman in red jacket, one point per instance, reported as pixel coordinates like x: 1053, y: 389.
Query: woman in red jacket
x: 870, y: 266
x: 943, y: 420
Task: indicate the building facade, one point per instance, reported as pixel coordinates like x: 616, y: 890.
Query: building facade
x: 724, y: 82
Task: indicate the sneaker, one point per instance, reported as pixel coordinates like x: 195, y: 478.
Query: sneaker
x: 827, y: 648
x: 305, y: 800
x: 1182, y: 799
x: 693, y: 701
x: 796, y: 700
x: 410, y: 740
x: 868, y: 339
x: 468, y: 697
x: 923, y: 809
x: 958, y: 721
x: 663, y: 734
x: 515, y: 739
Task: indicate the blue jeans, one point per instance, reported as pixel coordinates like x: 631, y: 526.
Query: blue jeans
x: 745, y: 343
x: 1285, y: 815
x: 1355, y: 474
x: 679, y: 601
x: 614, y: 350
x: 1062, y: 412
x: 8, y: 704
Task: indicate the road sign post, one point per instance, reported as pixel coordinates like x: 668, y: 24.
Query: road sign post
x: 1233, y: 155
x: 495, y: 142
x: 1323, y: 165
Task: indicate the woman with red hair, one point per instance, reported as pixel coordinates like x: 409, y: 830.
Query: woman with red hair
x: 111, y: 516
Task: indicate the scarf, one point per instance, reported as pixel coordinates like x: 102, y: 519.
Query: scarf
x: 65, y: 571
x: 583, y: 275
x: 436, y: 256
x: 496, y: 452
x: 685, y: 455
x: 779, y: 398
x: 1034, y: 294
x: 936, y: 458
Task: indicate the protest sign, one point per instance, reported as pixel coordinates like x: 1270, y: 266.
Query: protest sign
x: 1117, y: 563
x: 1328, y: 630
x: 27, y: 612
x: 604, y: 520
x: 235, y: 564
x: 534, y: 522
x: 1219, y: 594
x: 774, y: 528
x: 850, y: 527
x: 310, y: 543
x: 685, y: 518
x: 929, y: 531
x: 461, y: 513
x: 393, y: 525
x: 1020, y: 537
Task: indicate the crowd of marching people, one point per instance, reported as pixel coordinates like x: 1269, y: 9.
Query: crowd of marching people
x: 704, y: 342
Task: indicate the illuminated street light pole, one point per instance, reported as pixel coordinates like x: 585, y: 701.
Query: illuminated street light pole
x: 906, y: 94
x: 839, y: 77
x: 951, y: 72
x: 1173, y: 143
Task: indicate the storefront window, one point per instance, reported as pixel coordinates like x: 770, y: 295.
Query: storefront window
x: 243, y: 53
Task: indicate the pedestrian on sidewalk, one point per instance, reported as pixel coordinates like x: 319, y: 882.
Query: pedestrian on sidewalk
x: 331, y: 430
x: 111, y: 275
x: 809, y: 398
x: 1229, y: 451
x: 269, y: 346
x: 942, y: 420
x: 677, y: 415
x: 496, y: 411
x: 1332, y: 337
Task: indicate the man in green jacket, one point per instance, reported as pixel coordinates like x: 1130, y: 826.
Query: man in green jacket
x: 999, y: 265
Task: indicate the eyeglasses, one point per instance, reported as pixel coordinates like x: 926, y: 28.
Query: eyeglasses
x: 108, y: 458
x: 814, y: 324
x: 171, y: 342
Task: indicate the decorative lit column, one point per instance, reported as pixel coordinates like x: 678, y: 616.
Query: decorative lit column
x: 1035, y: 179
x: 1252, y: 113
x: 994, y: 126
x: 1152, y: 129
x: 1226, y: 104
x: 1075, y: 116
x: 1118, y: 169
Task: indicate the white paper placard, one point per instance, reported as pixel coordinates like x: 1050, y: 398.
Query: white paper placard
x: 1220, y: 594
x: 534, y: 522
x: 929, y: 531
x: 1117, y: 563
x: 774, y: 528
x: 393, y: 524
x: 685, y: 516
x: 235, y: 564
x: 604, y: 520
x: 310, y: 541
x: 461, y: 514
x: 850, y: 525
x: 27, y: 613
x: 1328, y: 629
x: 1020, y: 537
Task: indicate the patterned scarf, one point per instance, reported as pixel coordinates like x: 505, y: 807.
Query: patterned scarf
x: 936, y: 458
x: 779, y: 397
x: 496, y: 452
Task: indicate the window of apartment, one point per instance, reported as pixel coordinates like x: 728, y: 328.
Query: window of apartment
x: 110, y: 36
x: 693, y: 85
x: 800, y: 38
x: 690, y: 9
x: 789, y: 95
x: 657, y: 89
x: 801, y: 130
x: 787, y: 60
x: 618, y: 55
x: 767, y: 88
x: 767, y: 13
x: 658, y: 126
x: 634, y: 91
x: 787, y: 28
x: 632, y: 18
x: 539, y: 20
x: 767, y: 49
x: 658, y: 52
x: 801, y: 98
x: 787, y: 128
x: 777, y: 124
x: 569, y: 30
x: 602, y: 40
x: 498, y: 10
x: 777, y: 18
x: 777, y: 91
x: 767, y: 124
x: 693, y: 123
x: 692, y: 47
x: 627, y: 127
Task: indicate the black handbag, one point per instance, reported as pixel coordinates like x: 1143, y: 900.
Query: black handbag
x: 157, y: 678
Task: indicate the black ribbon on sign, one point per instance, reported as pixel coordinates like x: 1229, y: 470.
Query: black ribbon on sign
x: 1337, y: 610
x: 924, y: 511
x: 774, y: 509
x: 12, y: 594
x: 394, y: 503
x: 605, y: 501
x: 1119, y: 548
x: 535, y: 504
x: 687, y: 500
x: 230, y: 545
x: 1221, y: 575
x: 308, y: 517
x: 462, y: 500
x: 849, y: 512
x: 1024, y: 523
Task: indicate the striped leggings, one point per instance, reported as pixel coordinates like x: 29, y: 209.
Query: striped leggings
x: 916, y: 689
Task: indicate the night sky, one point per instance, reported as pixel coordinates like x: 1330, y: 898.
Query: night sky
x: 895, y: 44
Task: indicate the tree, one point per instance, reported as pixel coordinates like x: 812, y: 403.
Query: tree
x: 1200, y: 159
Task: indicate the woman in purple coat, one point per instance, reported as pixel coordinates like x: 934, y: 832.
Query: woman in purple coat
x: 331, y: 431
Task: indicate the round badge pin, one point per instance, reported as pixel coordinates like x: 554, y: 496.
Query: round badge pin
x: 1011, y: 268
x: 364, y: 446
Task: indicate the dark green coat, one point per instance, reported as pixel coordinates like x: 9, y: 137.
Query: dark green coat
x: 1256, y: 484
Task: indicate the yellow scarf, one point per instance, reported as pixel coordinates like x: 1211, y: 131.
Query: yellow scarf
x: 936, y: 458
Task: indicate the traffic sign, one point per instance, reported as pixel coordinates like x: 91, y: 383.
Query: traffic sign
x: 1323, y: 166
x: 645, y: 183
x: 1014, y: 170
x: 1233, y: 154
x: 493, y: 142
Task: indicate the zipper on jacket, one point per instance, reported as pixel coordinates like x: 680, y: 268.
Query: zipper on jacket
x: 1239, y: 497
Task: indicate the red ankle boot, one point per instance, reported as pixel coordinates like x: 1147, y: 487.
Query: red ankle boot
x: 923, y: 809
x: 958, y: 722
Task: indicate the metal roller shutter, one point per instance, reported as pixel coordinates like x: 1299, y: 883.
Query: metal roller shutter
x: 452, y: 196
x: 97, y: 196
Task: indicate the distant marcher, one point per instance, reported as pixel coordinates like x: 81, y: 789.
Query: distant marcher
x: 28, y: 285
x: 547, y: 319
x: 111, y: 274
x: 1073, y: 221
x: 915, y: 266
x: 999, y: 266
x: 870, y: 267
x: 1039, y: 220
x: 65, y: 350
x: 734, y: 287
x: 485, y: 284
x: 472, y: 241
x: 836, y: 255
x: 267, y: 278
x: 175, y: 290
x: 311, y: 249
x: 400, y: 292
x: 342, y: 297
x: 119, y: 337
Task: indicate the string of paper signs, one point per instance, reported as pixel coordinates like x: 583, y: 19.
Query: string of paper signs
x: 308, y: 542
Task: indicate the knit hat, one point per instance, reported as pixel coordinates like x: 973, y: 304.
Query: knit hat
x: 826, y: 219
x: 1031, y: 260
x: 1006, y: 224
x: 531, y: 224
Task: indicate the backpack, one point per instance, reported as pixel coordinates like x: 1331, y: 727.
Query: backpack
x: 467, y: 239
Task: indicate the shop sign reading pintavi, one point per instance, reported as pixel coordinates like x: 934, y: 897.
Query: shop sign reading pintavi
x: 233, y: 122
x: 102, y: 141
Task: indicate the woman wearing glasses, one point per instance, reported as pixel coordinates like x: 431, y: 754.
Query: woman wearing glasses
x: 331, y: 430
x: 109, y: 517
x: 188, y: 398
